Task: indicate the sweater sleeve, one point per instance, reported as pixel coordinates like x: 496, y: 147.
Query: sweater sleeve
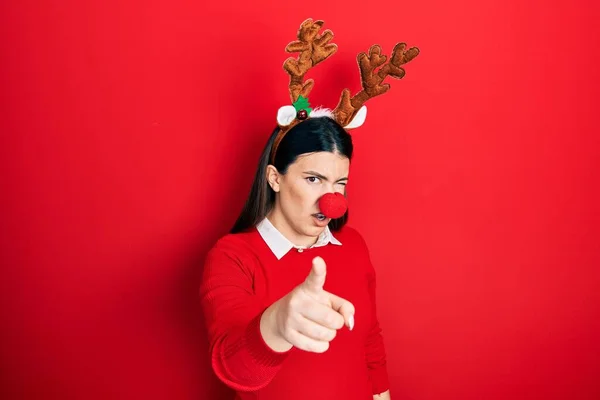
x: 374, y: 346
x: 239, y: 355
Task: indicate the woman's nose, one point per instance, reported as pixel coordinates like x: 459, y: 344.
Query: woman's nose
x: 331, y: 188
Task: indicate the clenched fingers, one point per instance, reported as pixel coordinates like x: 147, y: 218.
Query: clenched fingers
x: 306, y: 343
x: 323, y: 315
x: 315, y: 331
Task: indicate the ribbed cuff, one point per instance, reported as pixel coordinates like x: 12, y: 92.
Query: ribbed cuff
x: 379, y: 380
x: 259, y: 350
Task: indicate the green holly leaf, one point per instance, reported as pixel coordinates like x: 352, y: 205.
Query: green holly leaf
x: 302, y: 104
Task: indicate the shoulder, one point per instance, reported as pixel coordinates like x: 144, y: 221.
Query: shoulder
x: 234, y: 245
x: 234, y: 240
x: 230, y: 259
x: 350, y: 235
x: 353, y: 241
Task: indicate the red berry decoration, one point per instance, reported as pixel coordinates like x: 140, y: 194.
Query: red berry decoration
x: 302, y: 114
x: 333, y: 205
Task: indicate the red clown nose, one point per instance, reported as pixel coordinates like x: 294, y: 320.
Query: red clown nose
x: 333, y: 205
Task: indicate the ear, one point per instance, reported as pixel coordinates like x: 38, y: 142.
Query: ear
x: 358, y: 119
x: 272, y: 177
x: 285, y: 115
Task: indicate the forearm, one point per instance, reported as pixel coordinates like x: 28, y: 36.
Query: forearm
x: 240, y: 357
x: 243, y: 360
x: 382, y: 396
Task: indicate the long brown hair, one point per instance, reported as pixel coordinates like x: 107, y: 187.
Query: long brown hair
x: 312, y: 135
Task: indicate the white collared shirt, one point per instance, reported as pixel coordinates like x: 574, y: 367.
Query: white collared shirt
x: 280, y: 245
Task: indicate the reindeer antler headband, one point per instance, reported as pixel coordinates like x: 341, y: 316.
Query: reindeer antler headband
x: 350, y: 111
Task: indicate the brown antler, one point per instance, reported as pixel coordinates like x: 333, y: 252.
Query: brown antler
x: 314, y: 48
x: 372, y: 82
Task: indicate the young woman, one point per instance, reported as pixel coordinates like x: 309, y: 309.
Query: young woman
x: 289, y: 297
x: 289, y: 294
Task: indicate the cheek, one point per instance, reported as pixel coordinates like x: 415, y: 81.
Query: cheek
x: 300, y: 199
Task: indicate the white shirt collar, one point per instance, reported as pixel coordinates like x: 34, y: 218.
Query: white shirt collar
x: 280, y: 245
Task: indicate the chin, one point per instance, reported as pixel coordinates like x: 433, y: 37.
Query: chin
x: 316, y: 230
x: 311, y: 230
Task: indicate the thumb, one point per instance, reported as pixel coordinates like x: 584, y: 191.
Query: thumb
x: 315, y: 280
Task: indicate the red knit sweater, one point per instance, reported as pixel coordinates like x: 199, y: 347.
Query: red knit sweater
x: 242, y: 277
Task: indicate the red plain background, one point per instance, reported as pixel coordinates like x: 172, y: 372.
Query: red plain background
x: 130, y: 132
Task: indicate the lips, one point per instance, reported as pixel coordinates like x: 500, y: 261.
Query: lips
x: 320, y: 220
x: 320, y: 217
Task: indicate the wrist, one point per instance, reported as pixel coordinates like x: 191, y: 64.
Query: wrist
x: 270, y: 333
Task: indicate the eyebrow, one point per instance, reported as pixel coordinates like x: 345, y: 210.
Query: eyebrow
x: 318, y: 175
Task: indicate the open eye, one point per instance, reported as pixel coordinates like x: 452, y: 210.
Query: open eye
x: 312, y: 179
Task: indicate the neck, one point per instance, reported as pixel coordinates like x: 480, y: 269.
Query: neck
x: 279, y: 221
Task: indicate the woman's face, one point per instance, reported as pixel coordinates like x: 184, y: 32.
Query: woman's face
x: 299, y: 190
